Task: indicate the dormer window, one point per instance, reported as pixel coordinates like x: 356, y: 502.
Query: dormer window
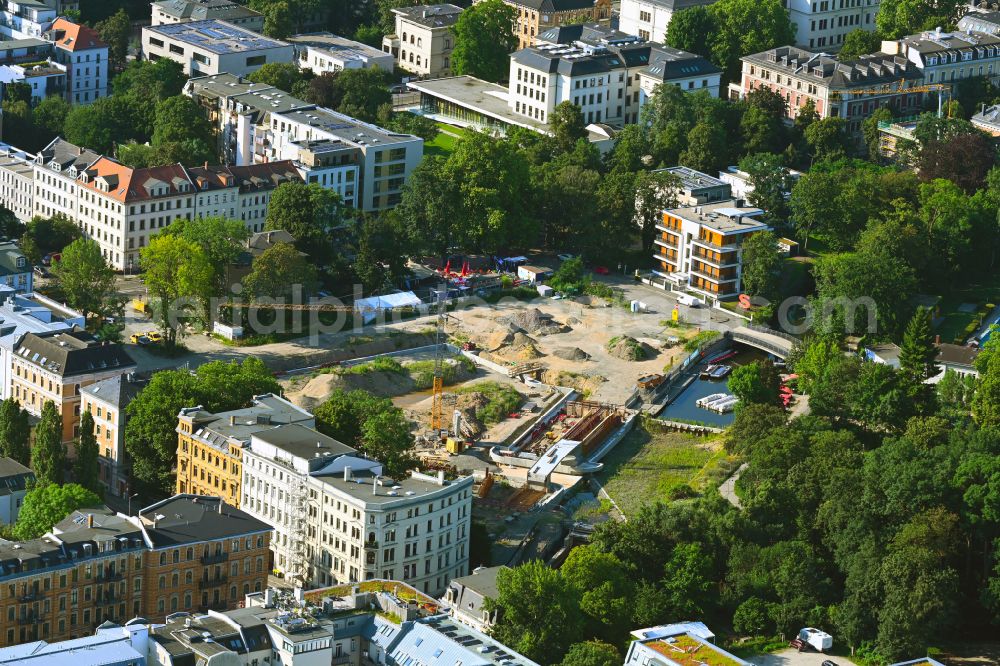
x: 21, y: 262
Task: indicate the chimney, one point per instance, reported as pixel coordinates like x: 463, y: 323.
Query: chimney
x: 347, y: 473
x: 90, y: 520
x: 232, y: 419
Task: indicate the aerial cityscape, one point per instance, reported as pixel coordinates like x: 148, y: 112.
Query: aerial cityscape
x: 499, y: 333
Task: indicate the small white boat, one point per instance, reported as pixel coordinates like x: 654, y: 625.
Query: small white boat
x: 725, y: 405
x: 708, y: 399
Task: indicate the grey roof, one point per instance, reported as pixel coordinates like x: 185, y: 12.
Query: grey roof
x: 957, y: 355
x: 440, y: 640
x: 874, y: 69
x: 73, y: 352
x: 193, y: 518
x: 981, y: 21
x: 267, y: 411
x: 106, y: 525
x: 403, y: 490
x: 554, y: 6
x: 676, y: 5
x: 344, y: 127
x: 588, y: 32
x: 988, y: 117
x: 217, y: 36
x: 931, y: 42
x: 693, y: 180
x: 482, y: 581
x: 431, y: 16
x: 723, y: 216
x: 337, y: 45
x: 117, y: 391
x: 583, y: 50
x: 14, y: 476
x: 10, y: 256
x: 265, y: 240
x: 67, y: 155
x: 303, y: 442
x: 197, y: 10
x: 666, y: 63
x: 110, y: 645
x: 180, y: 640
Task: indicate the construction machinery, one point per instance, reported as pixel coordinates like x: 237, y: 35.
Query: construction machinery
x: 900, y: 88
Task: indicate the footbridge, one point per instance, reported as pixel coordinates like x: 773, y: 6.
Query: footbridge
x: 766, y: 339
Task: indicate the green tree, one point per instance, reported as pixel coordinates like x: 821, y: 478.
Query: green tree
x: 755, y: 383
x: 602, y: 585
x: 898, y: 18
x: 691, y: 30
x: 150, y: 429
x: 761, y: 265
x: 115, y: 31
x: 281, y: 75
x: 48, y: 452
x: 356, y: 92
x: 278, y: 22
x: 567, y: 125
x: 10, y: 226
x: 177, y: 274
x: 592, y: 653
x: 747, y: 26
x: 986, y: 401
x: 46, y: 505
x: 869, y: 127
x: 182, y: 131
x: 917, y: 353
x: 965, y: 159
x: 769, y: 177
x: 687, y: 582
x: 277, y: 271
x: 44, y: 235
x: 430, y: 207
x: 86, y: 470
x: 706, y: 147
x: 15, y: 431
x: 223, y: 241
x: 484, y: 38
x: 655, y: 191
x: 763, y: 122
x: 382, y: 252
x: 538, y: 612
x: 386, y: 437
x: 859, y: 42
x: 827, y: 138
x: 50, y: 115
x: 85, y: 277
x: 309, y: 213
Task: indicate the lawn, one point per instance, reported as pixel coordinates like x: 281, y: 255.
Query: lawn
x: 650, y: 466
x: 446, y: 140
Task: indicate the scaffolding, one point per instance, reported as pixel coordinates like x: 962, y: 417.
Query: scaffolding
x: 298, y: 516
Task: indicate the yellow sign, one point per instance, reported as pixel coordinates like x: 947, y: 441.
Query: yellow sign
x: 676, y: 314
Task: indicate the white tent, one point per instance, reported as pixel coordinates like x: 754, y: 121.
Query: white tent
x: 371, y: 306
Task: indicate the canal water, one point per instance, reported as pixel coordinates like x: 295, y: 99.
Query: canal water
x: 684, y: 408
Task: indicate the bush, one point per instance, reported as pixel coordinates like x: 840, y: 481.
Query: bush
x: 701, y: 339
x: 379, y: 364
x: 751, y: 618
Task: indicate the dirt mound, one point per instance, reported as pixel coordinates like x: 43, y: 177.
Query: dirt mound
x: 572, y: 354
x: 533, y: 320
x: 628, y: 348
x: 572, y: 321
x: 502, y: 337
x: 381, y: 384
x: 519, y: 347
x: 585, y: 384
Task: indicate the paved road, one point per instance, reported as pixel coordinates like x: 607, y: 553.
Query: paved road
x: 728, y: 487
x: 792, y: 657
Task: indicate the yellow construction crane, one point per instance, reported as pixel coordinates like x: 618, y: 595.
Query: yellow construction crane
x: 900, y: 87
x: 437, y: 401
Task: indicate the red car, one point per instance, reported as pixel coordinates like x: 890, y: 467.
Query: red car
x: 601, y: 270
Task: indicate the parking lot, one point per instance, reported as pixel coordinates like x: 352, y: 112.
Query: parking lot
x: 792, y: 657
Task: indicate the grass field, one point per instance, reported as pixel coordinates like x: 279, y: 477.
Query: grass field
x: 650, y: 466
x: 446, y: 140
x: 953, y: 322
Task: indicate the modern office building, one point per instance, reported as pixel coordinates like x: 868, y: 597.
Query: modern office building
x: 185, y: 553
x: 54, y: 366
x: 365, y: 164
x: 166, y: 12
x: 339, y: 519
x: 696, y: 188
x: 24, y: 19
x: 423, y: 41
x: 325, y: 52
x: 212, y: 47
x: 107, y: 401
x: 700, y: 248
x: 648, y: 19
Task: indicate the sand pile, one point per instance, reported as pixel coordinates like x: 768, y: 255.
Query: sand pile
x: 533, y: 320
x: 502, y: 337
x: 585, y: 384
x: 572, y: 354
x: 319, y: 388
x: 628, y: 348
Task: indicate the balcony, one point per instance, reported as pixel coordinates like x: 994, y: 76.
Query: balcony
x: 727, y: 259
x: 108, y: 600
x: 30, y: 618
x: 666, y: 242
x: 28, y: 597
x: 207, y: 584
x: 700, y: 272
x: 215, y: 558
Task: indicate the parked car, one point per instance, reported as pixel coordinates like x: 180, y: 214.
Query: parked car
x: 41, y: 271
x: 827, y: 662
x: 139, y: 339
x: 154, y: 336
x: 601, y: 270
x: 565, y: 256
x: 690, y: 301
x: 399, y: 88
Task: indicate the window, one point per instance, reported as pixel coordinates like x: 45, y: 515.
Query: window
x: 176, y: 49
x: 256, y: 61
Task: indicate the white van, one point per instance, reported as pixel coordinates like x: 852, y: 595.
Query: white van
x: 689, y: 300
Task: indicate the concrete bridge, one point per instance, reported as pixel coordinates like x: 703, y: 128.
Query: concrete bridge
x: 766, y: 339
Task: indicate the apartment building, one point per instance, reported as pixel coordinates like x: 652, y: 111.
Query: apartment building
x: 211, y: 47
x: 536, y: 16
x: 980, y: 20
x: 107, y: 401
x: 166, y: 12
x: 678, y: 645
x: 700, y: 248
x: 365, y: 164
x: 822, y: 25
x: 56, y: 365
x: 696, y: 188
x: 467, y: 598
x: 851, y: 89
x: 21, y: 314
x: 80, y: 50
x: 17, y: 182
x: 648, y: 19
x: 338, y: 519
x: 121, y: 208
x: 423, y: 41
x: 185, y: 553
x: 210, y: 446
x: 950, y: 57
x: 15, y: 479
x: 23, y: 19
x: 609, y: 75
x: 325, y: 52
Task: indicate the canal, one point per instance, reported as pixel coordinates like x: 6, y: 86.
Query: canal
x: 683, y: 407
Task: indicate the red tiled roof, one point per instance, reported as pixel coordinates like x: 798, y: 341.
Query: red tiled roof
x: 75, y: 37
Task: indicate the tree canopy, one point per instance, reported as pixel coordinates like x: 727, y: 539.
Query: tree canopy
x: 46, y: 505
x: 484, y: 38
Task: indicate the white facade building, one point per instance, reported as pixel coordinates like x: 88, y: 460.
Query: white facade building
x: 211, y: 47
x: 648, y: 19
x: 181, y: 11
x: 15, y: 479
x: 424, y: 40
x: 337, y: 519
x: 17, y: 181
x: 85, y: 56
x: 324, y: 52
x: 822, y: 25
x: 949, y: 57
x: 21, y: 19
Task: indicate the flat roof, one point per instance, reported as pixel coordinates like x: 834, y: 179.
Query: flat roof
x: 483, y: 97
x: 688, y: 650
x: 723, y: 216
x: 302, y: 442
x: 217, y: 36
x: 362, y: 487
x: 346, y: 128
x: 693, y: 180
x: 337, y: 45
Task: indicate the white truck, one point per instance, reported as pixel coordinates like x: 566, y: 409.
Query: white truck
x: 816, y: 639
x: 690, y: 301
